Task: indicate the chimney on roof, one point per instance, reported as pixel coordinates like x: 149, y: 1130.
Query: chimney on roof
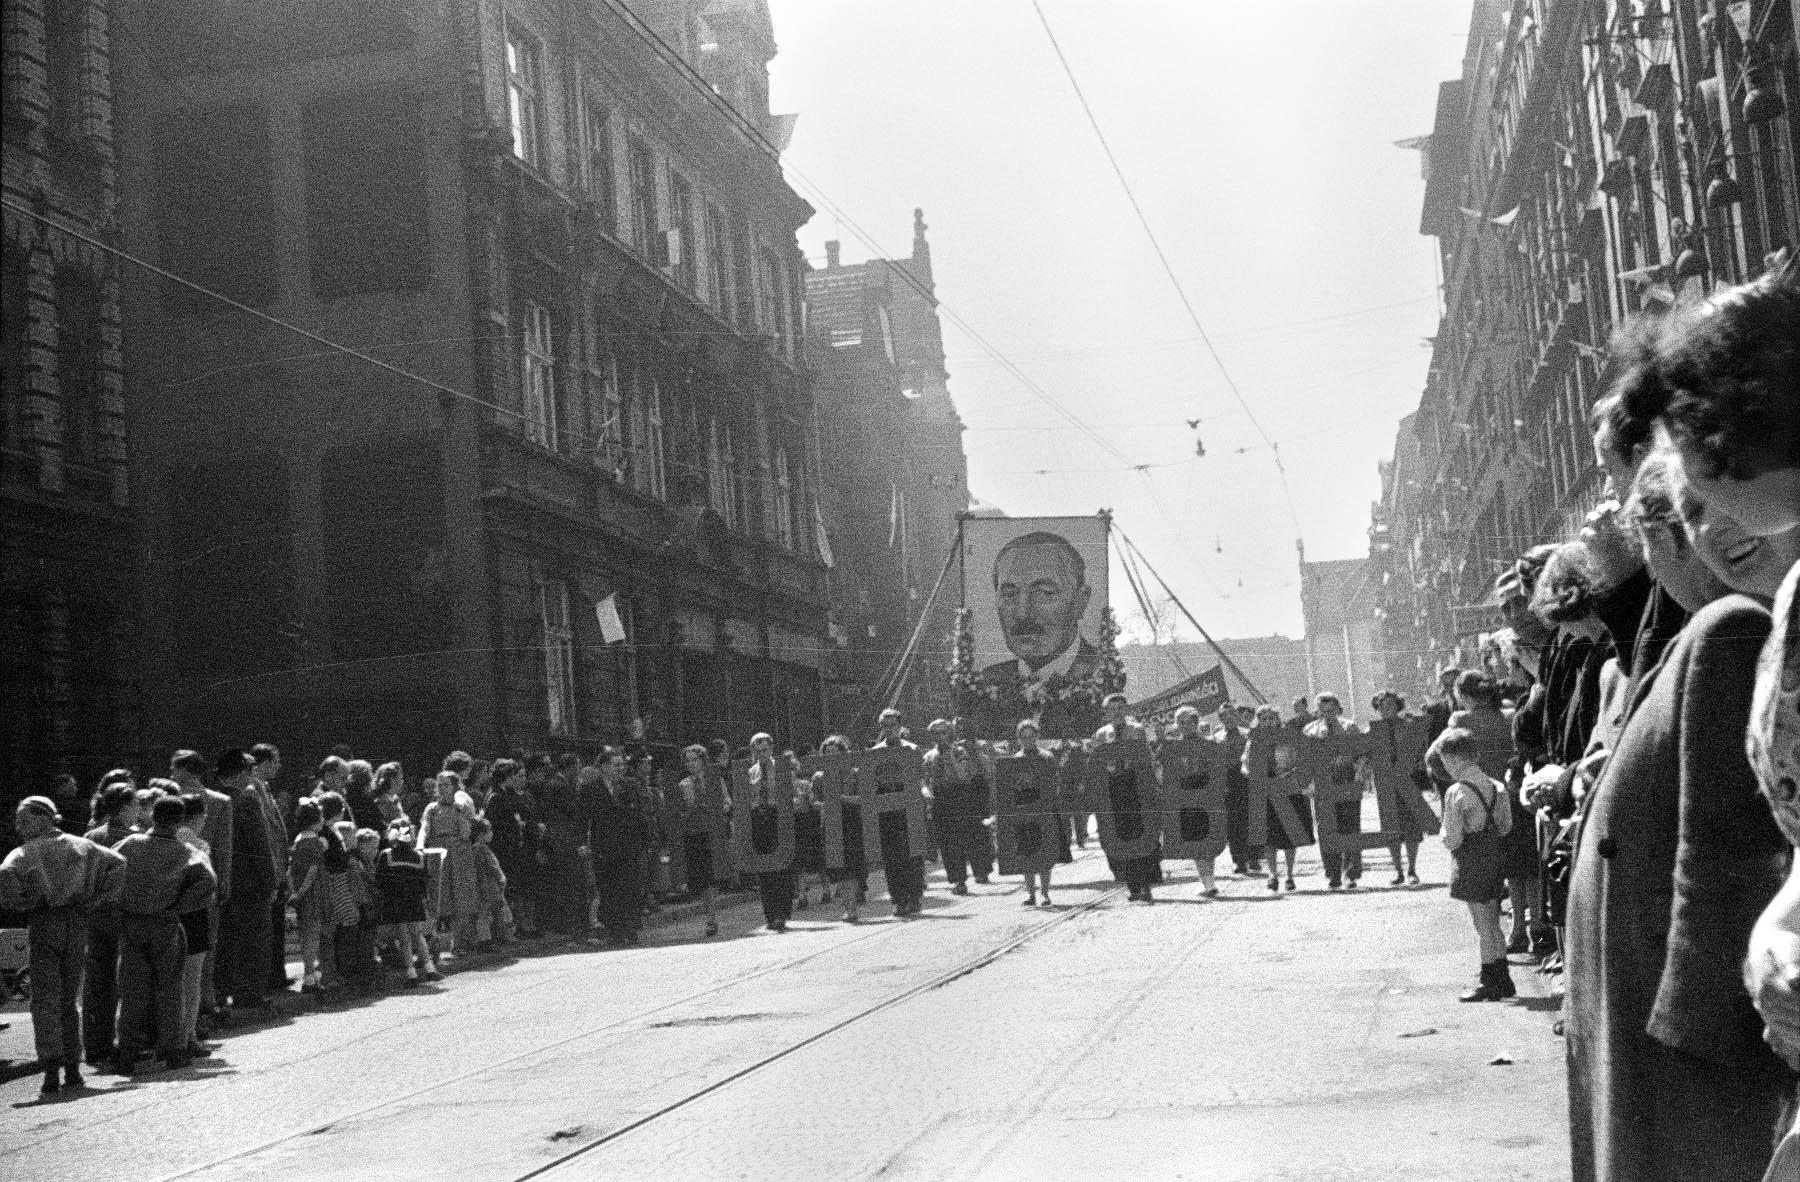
x: 831, y: 255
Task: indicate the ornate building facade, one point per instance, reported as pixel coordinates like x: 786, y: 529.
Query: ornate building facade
x: 68, y: 660
x: 1597, y: 159
x: 559, y: 489
x: 894, y: 482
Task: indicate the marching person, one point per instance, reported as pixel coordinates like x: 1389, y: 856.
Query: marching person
x: 850, y: 885
x: 701, y: 805
x: 767, y: 778
x: 1246, y: 859
x: 163, y: 880
x: 903, y: 867
x: 1126, y: 799
x: 1396, y: 752
x: 1030, y: 748
x: 56, y: 879
x: 1333, y: 748
x: 1187, y: 724
x: 957, y: 781
x: 1270, y: 756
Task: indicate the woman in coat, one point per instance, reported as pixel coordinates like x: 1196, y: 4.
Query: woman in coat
x: 1668, y: 1075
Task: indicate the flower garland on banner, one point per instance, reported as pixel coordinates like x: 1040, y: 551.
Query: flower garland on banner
x: 968, y: 689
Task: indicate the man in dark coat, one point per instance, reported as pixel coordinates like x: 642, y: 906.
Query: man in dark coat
x: 1668, y: 1074
x: 243, y: 946
x: 617, y: 841
x: 903, y: 866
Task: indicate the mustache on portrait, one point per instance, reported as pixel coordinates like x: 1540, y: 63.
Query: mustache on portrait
x: 1026, y: 628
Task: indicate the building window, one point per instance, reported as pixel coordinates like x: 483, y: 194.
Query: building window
x: 718, y: 264
x: 651, y: 471
x: 540, y: 377
x: 596, y: 134
x: 559, y: 655
x: 643, y: 198
x: 721, y: 463
x: 784, y: 500
x: 525, y: 96
x: 78, y: 361
x: 608, y: 408
x: 65, y: 41
x: 681, y: 222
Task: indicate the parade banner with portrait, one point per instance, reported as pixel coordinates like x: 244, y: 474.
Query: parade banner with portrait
x: 762, y: 810
x: 1025, y: 813
x: 1193, y: 798
x: 1121, y: 793
x: 1035, y: 638
x: 892, y: 780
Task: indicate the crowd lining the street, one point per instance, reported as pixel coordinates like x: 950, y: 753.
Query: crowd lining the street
x: 1626, y: 786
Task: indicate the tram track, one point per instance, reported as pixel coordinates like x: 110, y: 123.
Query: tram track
x: 639, y: 1018
x: 962, y: 969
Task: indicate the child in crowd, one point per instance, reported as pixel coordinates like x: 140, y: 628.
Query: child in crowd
x: 400, y: 881
x: 1477, y: 814
x: 356, y: 942
x: 195, y: 925
x: 494, y: 922
x: 306, y: 887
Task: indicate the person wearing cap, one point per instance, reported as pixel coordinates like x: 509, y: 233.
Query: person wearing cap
x: 218, y: 831
x: 957, y: 779
x: 56, y: 879
x: 243, y: 947
x: 164, y: 878
x: 903, y: 868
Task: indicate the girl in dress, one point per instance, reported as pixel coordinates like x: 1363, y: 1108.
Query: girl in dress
x: 850, y: 885
x: 400, y: 873
x: 1026, y: 733
x: 306, y: 890
x: 809, y: 837
x: 1272, y: 758
x: 446, y: 826
x: 1396, y: 752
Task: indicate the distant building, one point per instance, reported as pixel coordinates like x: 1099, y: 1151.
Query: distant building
x: 69, y: 662
x: 894, y: 480
x: 1596, y: 159
x: 1339, y: 600
x: 566, y: 231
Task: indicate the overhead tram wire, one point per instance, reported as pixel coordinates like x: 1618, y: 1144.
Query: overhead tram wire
x: 1169, y: 270
x: 672, y: 57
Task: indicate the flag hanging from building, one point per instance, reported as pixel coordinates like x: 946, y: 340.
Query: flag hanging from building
x: 821, y: 536
x: 612, y: 628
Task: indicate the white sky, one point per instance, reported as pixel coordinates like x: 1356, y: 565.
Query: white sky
x: 1259, y: 140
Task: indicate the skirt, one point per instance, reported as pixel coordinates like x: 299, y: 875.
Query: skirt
x: 697, y: 857
x: 1477, y: 874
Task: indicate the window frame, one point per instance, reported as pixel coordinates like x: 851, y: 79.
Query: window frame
x: 525, y: 95
x: 601, y: 183
x: 558, y: 636
x: 539, y: 407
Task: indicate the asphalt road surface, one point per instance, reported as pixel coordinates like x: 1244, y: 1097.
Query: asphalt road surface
x: 1310, y: 1036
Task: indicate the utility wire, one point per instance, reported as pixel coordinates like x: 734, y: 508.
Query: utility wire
x: 1167, y: 266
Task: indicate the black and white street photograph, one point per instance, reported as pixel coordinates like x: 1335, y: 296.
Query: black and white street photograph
x: 900, y: 591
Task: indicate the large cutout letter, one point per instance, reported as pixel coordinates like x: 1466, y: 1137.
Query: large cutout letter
x: 1396, y: 750
x: 1269, y: 760
x: 834, y: 778
x: 747, y: 799
x: 1121, y: 792
x: 706, y: 815
x: 1338, y: 793
x: 1025, y: 813
x: 892, y: 780
x: 1193, y: 798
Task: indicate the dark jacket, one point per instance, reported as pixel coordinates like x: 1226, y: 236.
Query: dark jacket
x: 1668, y: 1075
